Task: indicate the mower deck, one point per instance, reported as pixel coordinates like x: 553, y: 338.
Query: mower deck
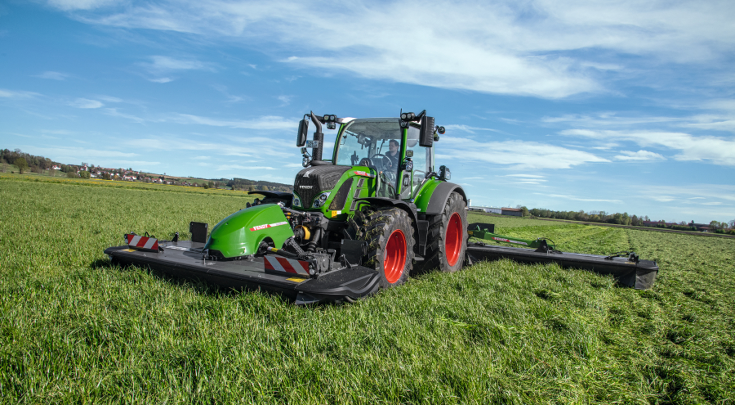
x: 640, y: 275
x: 184, y: 259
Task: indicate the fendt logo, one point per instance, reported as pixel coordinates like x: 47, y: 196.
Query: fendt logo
x: 265, y: 226
x: 306, y: 174
x: 309, y: 187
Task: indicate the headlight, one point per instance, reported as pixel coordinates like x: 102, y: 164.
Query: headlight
x: 296, y: 202
x: 319, y: 201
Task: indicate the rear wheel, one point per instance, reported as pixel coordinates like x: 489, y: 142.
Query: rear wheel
x: 389, y: 236
x: 447, y: 237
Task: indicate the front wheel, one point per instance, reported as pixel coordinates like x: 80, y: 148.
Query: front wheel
x: 389, y: 235
x: 447, y: 237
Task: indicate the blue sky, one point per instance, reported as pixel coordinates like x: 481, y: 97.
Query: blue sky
x: 568, y: 105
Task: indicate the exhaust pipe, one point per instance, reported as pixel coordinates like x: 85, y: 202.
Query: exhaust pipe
x: 316, y: 153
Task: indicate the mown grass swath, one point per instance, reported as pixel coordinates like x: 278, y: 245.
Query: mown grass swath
x: 75, y: 329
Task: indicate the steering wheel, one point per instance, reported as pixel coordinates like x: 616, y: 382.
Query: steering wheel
x: 385, y: 161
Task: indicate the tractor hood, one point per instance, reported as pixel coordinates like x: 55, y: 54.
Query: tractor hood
x: 314, y: 180
x: 241, y: 233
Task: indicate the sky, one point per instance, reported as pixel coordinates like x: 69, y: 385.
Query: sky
x: 618, y: 106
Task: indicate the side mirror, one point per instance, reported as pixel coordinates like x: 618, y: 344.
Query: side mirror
x: 444, y: 173
x: 426, y: 138
x: 303, y: 132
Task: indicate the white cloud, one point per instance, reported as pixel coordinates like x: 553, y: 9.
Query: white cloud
x: 239, y: 167
x: 519, y: 154
x: 573, y: 198
x: 265, y: 123
x: 53, y: 75
x: 110, y: 99
x: 251, y: 147
x: 531, y: 176
x: 641, y: 155
x: 160, y: 67
x: 719, y: 151
x: 285, y: 100
x: 168, y: 63
x: 82, y: 154
x: 80, y: 4
x: 690, y: 192
x: 86, y: 103
x: 467, y: 128
x: 530, y: 48
x: 115, y: 113
x: 17, y: 94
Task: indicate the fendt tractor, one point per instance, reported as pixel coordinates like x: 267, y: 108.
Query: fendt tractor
x: 364, y: 218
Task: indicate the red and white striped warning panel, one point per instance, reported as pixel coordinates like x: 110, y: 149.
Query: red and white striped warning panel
x: 142, y: 242
x: 277, y: 263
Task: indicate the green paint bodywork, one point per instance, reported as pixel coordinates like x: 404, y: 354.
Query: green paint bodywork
x: 485, y: 234
x: 233, y: 236
x: 343, y: 212
x: 424, y: 194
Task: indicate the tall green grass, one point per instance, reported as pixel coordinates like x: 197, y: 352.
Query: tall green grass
x: 74, y: 329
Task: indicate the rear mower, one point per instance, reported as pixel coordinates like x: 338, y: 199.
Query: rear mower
x: 365, y: 218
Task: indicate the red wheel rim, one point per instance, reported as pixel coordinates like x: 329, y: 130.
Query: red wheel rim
x: 394, y: 259
x: 453, y: 239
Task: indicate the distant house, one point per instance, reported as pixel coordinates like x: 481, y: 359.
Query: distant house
x: 55, y: 167
x: 492, y: 210
x: 516, y: 212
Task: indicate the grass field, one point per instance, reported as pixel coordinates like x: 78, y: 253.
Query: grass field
x: 75, y: 329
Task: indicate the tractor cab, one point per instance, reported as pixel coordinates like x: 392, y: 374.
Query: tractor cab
x: 397, y: 152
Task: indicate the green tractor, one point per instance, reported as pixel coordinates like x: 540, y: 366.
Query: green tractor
x: 375, y: 201
x: 366, y: 218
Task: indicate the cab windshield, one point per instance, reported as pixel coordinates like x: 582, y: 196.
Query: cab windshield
x: 373, y: 142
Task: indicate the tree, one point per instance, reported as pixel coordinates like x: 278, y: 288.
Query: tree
x: 524, y: 211
x: 83, y: 174
x: 72, y: 175
x: 22, y: 164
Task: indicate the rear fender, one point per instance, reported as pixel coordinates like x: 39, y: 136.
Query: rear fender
x: 432, y: 200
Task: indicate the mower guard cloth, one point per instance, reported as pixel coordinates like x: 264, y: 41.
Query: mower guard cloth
x: 183, y: 259
x: 640, y: 275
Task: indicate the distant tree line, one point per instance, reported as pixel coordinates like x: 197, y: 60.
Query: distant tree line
x: 25, y: 161
x: 254, y: 185
x: 626, y: 219
x: 593, y: 216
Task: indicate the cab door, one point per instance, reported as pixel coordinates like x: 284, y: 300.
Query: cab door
x: 411, y: 181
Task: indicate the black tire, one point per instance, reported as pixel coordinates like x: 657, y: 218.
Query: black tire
x: 447, y: 251
x: 390, y: 239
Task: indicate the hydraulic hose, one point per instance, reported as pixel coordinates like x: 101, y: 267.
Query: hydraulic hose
x: 316, y: 238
